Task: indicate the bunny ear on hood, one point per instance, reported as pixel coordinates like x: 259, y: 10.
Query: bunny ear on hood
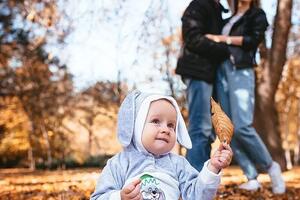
x: 126, y: 118
x: 183, y: 136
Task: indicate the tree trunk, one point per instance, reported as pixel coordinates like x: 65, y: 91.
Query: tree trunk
x: 88, y: 126
x: 30, y: 155
x: 31, y: 159
x: 168, y: 74
x: 48, y: 147
x: 90, y: 141
x: 297, y: 150
x: 266, y: 116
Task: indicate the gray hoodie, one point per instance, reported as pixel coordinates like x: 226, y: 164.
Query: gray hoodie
x: 167, y: 176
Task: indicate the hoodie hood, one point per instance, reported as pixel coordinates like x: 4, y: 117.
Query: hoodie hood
x: 132, y: 115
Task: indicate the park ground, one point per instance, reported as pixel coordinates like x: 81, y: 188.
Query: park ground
x: 23, y: 184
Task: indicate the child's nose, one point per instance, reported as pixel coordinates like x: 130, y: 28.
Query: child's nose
x: 165, y: 128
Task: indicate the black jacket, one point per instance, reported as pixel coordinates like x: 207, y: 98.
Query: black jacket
x: 252, y: 26
x: 200, y: 56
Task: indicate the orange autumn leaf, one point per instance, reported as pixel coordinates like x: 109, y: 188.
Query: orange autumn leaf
x: 221, y: 123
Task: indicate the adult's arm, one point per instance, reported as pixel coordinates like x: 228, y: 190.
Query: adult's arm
x: 250, y: 39
x: 195, y: 24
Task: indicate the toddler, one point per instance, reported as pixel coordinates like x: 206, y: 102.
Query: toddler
x: 148, y: 127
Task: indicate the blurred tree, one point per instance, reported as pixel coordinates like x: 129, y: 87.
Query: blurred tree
x: 103, y: 99
x: 273, y: 60
x: 13, y: 140
x: 42, y: 85
x: 287, y: 97
x: 288, y: 105
x: 160, y: 34
x: 157, y: 46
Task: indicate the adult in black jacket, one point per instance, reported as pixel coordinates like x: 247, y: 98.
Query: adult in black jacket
x: 235, y: 90
x: 197, y: 65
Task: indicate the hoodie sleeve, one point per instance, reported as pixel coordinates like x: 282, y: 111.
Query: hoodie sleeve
x: 109, y: 184
x: 195, y: 185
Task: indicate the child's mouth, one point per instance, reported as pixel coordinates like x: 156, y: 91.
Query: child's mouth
x: 163, y: 139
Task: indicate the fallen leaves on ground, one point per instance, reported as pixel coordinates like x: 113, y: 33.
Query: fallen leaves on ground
x: 22, y: 184
x: 17, y: 184
x: 233, y: 176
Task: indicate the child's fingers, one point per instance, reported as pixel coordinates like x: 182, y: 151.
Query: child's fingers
x: 223, y: 152
x: 130, y: 187
x: 138, y: 197
x: 226, y: 146
x: 226, y: 153
x: 217, y: 153
x: 134, y: 194
x: 223, y: 159
x: 226, y: 150
x: 136, y: 182
x: 220, y: 148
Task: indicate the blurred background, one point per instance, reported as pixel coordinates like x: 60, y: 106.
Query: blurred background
x: 65, y: 66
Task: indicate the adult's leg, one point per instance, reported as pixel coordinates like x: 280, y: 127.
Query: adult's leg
x: 200, y: 129
x: 241, y: 92
x: 222, y: 89
x: 242, y: 96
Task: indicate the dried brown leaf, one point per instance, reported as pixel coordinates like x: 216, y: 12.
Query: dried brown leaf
x: 221, y: 123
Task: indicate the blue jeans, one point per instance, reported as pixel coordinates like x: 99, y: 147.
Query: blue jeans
x: 200, y: 128
x: 235, y: 91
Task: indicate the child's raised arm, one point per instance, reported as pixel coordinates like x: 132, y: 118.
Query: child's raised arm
x: 195, y: 185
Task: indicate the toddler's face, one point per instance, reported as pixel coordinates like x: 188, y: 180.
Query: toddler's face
x: 159, y: 135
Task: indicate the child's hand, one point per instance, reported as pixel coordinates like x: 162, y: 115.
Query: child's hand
x: 132, y: 191
x: 221, y: 158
